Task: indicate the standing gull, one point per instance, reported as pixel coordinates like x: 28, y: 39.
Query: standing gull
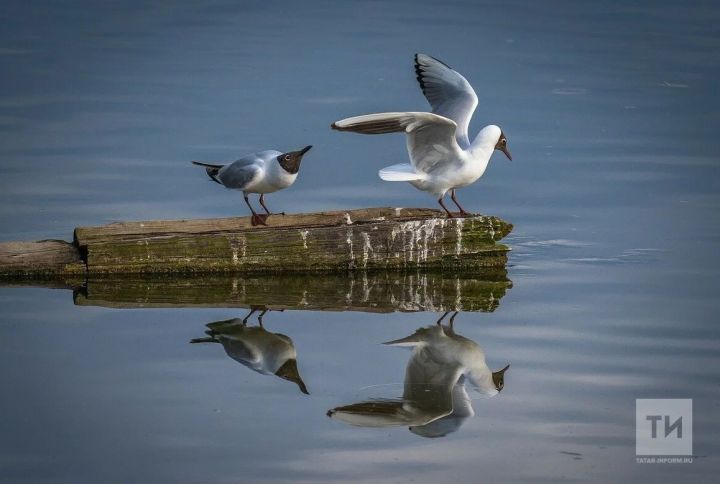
x: 262, y: 172
x: 442, y: 158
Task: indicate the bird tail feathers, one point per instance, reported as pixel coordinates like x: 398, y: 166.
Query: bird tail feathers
x: 212, y: 170
x: 401, y: 172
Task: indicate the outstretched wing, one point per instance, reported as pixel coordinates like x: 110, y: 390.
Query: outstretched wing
x: 449, y: 94
x: 430, y: 138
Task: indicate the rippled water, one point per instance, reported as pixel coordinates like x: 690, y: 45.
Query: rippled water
x: 612, y: 118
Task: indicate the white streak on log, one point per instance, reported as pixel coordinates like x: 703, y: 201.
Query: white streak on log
x: 457, y: 293
x: 458, y: 233
x: 349, y: 241
x: 367, y: 248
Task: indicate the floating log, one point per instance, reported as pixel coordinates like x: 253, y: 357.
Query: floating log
x: 380, y: 292
x: 365, y: 239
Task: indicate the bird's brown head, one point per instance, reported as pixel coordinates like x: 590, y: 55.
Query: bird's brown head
x: 290, y: 161
x: 502, y: 145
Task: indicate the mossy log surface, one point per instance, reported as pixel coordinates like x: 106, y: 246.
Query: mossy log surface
x: 371, y: 292
x: 366, y: 239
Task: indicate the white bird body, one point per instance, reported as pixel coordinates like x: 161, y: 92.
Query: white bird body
x: 441, y: 157
x: 262, y: 172
x: 256, y: 173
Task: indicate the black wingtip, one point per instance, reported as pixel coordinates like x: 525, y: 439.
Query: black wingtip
x: 419, y: 74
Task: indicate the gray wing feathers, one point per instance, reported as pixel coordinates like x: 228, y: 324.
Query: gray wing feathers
x: 240, y: 174
x: 380, y: 123
x: 449, y: 94
x: 430, y: 138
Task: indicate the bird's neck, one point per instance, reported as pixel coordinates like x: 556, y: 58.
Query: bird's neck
x: 483, y: 144
x: 482, y: 147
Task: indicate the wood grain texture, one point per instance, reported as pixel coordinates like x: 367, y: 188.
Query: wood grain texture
x: 20, y: 259
x: 366, y: 239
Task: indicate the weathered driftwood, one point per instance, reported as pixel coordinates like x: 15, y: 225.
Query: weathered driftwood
x: 372, y: 292
x: 379, y: 238
x: 366, y: 239
x: 44, y: 257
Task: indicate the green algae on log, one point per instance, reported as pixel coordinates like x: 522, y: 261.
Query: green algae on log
x: 365, y: 239
x: 371, y: 292
x: 378, y: 238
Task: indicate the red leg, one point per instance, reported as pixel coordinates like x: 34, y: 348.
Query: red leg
x: 462, y: 210
x: 443, y: 206
x: 255, y: 219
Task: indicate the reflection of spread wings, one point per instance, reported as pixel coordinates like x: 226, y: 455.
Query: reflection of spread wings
x: 385, y: 413
x: 427, y: 397
x: 430, y: 138
x: 449, y: 93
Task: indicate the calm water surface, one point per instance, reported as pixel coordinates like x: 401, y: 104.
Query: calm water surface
x: 612, y: 116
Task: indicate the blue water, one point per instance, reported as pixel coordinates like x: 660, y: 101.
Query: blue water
x: 611, y: 114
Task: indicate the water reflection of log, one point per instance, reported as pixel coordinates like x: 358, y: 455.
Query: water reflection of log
x: 381, y: 292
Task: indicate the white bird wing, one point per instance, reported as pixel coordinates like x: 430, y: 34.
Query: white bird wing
x: 449, y: 94
x: 241, y: 173
x: 430, y: 138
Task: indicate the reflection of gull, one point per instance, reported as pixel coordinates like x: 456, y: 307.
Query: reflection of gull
x: 255, y: 347
x: 434, y: 401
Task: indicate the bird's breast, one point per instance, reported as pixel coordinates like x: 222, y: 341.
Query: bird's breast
x: 275, y: 179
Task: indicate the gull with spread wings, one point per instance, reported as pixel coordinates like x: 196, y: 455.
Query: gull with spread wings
x: 442, y: 158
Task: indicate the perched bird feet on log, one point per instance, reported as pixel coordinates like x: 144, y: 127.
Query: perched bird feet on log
x: 257, y: 219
